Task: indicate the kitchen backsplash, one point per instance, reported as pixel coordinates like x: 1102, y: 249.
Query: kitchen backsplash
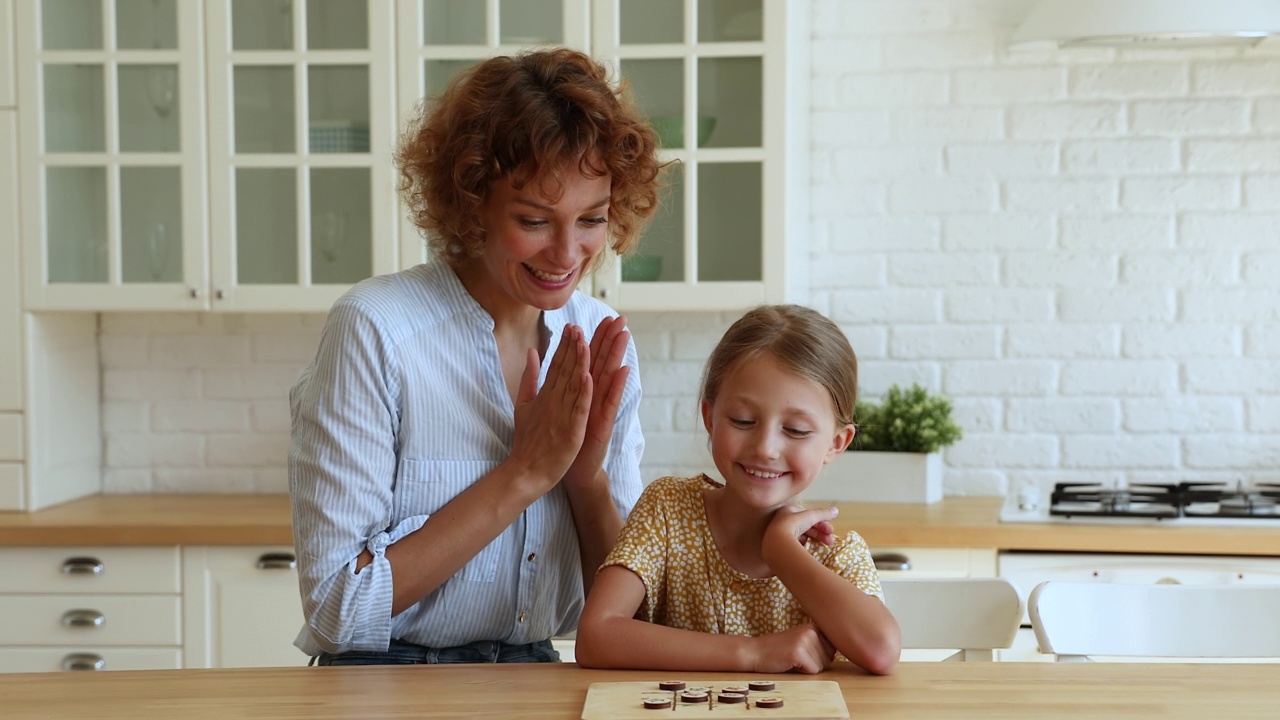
x: 1080, y: 247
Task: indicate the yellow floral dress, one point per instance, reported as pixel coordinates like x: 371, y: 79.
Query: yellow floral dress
x: 688, y: 583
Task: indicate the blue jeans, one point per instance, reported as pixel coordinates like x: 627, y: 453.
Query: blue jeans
x: 481, y: 651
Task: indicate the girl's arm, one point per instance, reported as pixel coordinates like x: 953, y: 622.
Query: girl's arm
x: 609, y: 636
x: 857, y: 624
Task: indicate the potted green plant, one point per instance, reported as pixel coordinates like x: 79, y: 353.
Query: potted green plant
x: 894, y: 457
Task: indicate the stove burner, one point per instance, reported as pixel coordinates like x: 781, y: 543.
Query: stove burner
x: 1164, y: 501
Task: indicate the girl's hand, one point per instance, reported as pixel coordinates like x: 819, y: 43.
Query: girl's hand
x: 792, y: 523
x: 801, y: 649
x: 608, y: 380
x: 550, y: 423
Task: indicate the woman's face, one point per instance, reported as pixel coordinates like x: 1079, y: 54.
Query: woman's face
x: 538, y: 246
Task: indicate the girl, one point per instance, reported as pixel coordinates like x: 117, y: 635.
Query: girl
x: 697, y: 556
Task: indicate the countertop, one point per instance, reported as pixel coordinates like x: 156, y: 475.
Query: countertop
x: 942, y: 691
x: 962, y: 522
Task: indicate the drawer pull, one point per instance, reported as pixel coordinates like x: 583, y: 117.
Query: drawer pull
x: 83, y: 618
x: 83, y: 661
x: 82, y: 566
x: 891, y: 561
x: 277, y: 561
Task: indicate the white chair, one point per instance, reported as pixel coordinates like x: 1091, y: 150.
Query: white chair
x: 970, y: 615
x: 1074, y: 620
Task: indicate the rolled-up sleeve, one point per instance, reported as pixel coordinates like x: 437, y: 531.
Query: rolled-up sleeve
x: 342, y: 467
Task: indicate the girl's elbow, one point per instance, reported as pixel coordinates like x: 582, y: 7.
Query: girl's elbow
x: 882, y: 661
x: 879, y: 656
x: 886, y: 652
x: 585, y: 646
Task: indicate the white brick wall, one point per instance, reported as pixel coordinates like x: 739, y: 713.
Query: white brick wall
x: 1081, y: 248
x: 1130, y: 328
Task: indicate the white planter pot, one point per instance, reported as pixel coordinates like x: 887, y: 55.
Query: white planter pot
x: 888, y: 477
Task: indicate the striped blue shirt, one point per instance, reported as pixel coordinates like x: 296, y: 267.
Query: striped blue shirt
x: 403, y: 408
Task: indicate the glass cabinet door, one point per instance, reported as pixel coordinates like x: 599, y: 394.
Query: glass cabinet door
x: 302, y: 131
x: 438, y: 38
x: 115, y: 169
x: 711, y: 77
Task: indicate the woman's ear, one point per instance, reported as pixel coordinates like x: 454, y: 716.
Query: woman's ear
x: 840, y: 442
x: 706, y: 415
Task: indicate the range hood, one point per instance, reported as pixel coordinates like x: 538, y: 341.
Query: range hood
x: 1149, y: 23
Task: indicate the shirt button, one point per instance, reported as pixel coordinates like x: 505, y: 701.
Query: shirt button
x: 532, y: 557
x: 522, y: 617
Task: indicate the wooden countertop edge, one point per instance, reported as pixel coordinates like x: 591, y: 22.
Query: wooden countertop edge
x: 173, y: 519
x: 146, y: 536
x: 958, y: 522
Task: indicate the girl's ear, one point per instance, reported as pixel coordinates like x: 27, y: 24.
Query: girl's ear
x: 840, y: 442
x: 706, y: 416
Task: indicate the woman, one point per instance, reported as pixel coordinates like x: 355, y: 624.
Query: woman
x: 466, y: 442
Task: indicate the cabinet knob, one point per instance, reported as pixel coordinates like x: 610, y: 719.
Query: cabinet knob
x: 194, y: 293
x: 82, y: 566
x: 891, y: 561
x: 83, y: 618
x: 602, y: 293
x: 219, y: 294
x: 83, y: 661
x: 277, y: 561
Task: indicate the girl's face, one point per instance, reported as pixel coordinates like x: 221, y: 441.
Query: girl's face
x: 536, y: 247
x: 771, y: 432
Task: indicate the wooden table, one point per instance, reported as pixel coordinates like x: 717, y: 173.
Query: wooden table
x: 917, y: 690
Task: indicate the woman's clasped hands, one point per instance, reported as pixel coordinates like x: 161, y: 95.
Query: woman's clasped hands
x: 562, y: 430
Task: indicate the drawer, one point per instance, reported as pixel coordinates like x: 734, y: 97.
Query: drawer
x: 52, y: 659
x: 98, y: 570
x: 120, y: 619
x: 934, y: 562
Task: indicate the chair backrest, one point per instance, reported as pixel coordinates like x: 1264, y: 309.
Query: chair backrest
x: 970, y: 615
x: 1076, y: 619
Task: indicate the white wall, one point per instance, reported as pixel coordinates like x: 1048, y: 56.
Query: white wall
x: 1082, y: 248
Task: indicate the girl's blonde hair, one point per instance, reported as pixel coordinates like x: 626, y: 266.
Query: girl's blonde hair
x: 528, y: 118
x: 802, y: 340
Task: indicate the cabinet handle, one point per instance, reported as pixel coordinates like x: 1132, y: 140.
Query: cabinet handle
x: 603, y: 293
x: 277, y: 561
x: 194, y: 293
x: 82, y: 566
x: 83, y: 661
x: 219, y: 294
x: 891, y: 561
x: 83, y: 618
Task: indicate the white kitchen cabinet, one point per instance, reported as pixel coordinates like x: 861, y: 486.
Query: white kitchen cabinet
x: 242, y: 607
x: 226, y: 155
x: 6, y: 54
x: 12, y: 421
x: 732, y: 231
x: 90, y: 608
x: 237, y: 155
x: 10, y: 278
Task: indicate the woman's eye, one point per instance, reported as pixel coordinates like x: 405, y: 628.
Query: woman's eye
x: 797, y: 432
x: 532, y: 224
x: 594, y: 220
x: 740, y: 422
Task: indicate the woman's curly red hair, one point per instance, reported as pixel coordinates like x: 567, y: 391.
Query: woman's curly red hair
x: 528, y: 118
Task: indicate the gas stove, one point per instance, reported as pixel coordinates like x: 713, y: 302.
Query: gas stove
x: 1193, y: 503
